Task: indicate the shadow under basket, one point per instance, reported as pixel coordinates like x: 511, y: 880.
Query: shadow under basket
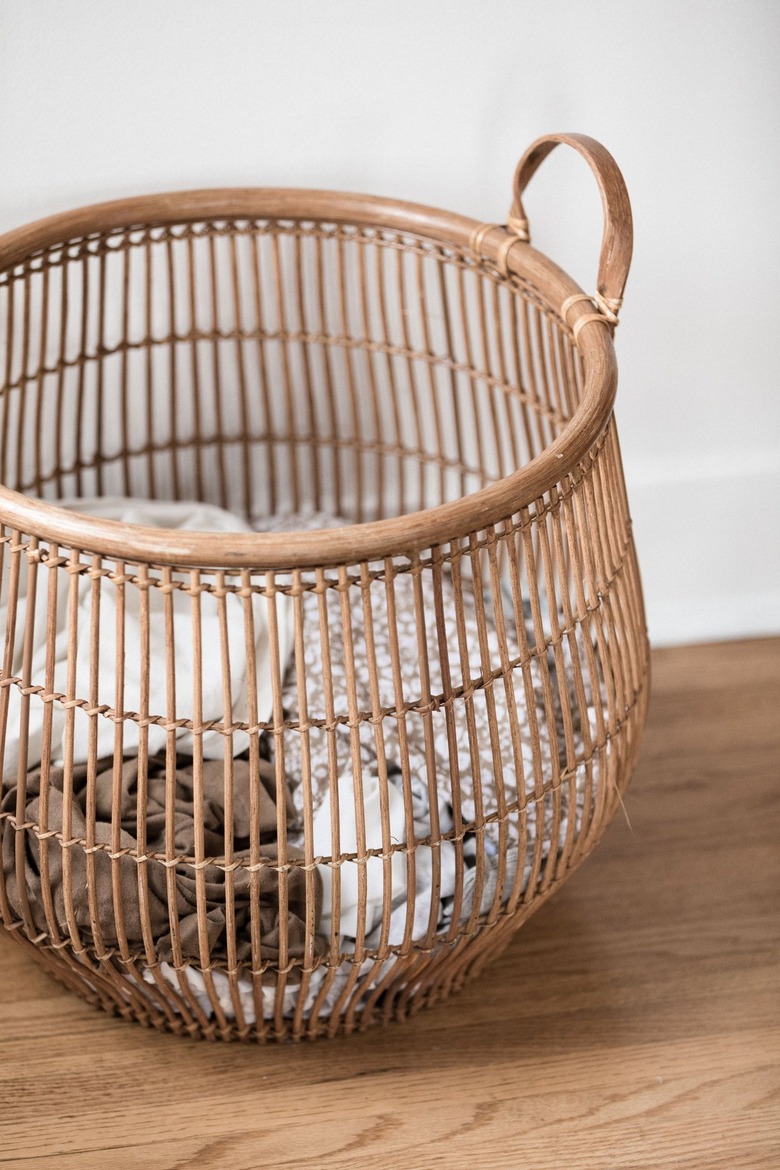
x: 325, y: 658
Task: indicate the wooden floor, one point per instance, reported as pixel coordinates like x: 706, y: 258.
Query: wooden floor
x: 634, y: 1022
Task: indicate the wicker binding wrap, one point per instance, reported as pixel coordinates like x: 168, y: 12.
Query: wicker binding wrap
x: 447, y: 391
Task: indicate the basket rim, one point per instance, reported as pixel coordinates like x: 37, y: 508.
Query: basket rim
x: 353, y: 543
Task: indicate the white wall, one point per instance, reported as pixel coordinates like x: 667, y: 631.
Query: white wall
x: 434, y: 100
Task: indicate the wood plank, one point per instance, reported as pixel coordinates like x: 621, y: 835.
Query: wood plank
x: 632, y: 1023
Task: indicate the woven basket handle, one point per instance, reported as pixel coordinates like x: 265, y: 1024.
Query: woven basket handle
x: 618, y: 239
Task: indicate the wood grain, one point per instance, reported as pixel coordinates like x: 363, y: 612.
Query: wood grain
x: 632, y: 1023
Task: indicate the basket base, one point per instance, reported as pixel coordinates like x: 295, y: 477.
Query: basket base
x: 417, y: 981
x: 148, y: 995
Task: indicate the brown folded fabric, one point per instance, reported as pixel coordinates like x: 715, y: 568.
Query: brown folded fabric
x: 146, y: 884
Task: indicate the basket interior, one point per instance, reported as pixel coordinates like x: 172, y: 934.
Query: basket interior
x: 273, y: 367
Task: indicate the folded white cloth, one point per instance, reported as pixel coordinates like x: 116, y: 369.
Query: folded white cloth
x: 349, y: 870
x: 244, y: 989
x: 136, y: 662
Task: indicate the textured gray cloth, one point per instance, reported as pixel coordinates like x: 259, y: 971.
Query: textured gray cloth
x: 500, y: 720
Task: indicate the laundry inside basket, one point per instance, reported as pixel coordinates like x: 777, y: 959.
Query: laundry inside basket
x: 342, y: 725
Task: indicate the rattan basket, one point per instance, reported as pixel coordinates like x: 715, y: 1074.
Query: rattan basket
x: 446, y: 701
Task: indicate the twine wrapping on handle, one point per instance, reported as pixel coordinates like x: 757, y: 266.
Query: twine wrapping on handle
x: 617, y: 240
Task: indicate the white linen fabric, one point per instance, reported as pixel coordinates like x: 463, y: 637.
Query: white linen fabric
x: 151, y: 513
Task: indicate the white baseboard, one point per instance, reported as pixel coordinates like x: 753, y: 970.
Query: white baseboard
x: 708, y: 543
x: 684, y: 621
